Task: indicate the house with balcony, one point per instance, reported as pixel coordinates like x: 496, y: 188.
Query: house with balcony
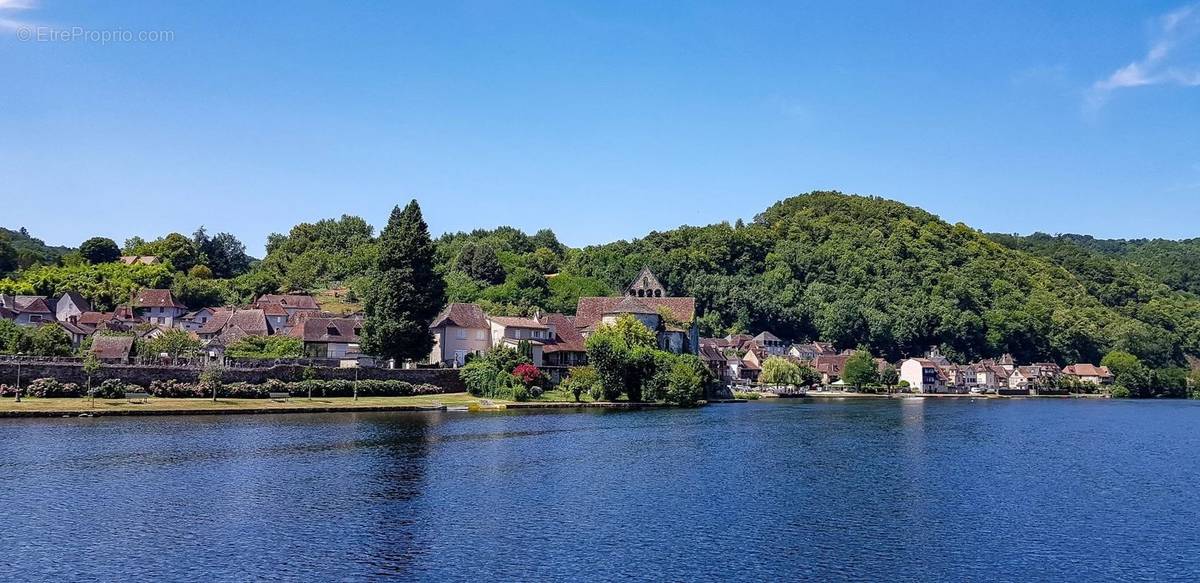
x: 923, y: 375
x: 512, y: 331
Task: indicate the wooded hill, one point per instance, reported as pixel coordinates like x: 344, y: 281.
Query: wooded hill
x: 859, y: 271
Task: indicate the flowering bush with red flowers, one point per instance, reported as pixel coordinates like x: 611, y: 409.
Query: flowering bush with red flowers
x: 528, y: 374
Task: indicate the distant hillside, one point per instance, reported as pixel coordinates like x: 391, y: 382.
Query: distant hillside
x: 31, y: 250
x: 874, y: 272
x: 1174, y: 263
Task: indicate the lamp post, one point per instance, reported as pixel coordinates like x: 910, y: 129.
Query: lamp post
x: 355, y: 381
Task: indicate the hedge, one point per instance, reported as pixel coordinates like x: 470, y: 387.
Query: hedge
x: 116, y: 389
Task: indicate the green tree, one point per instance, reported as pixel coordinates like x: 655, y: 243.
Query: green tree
x: 91, y: 368
x: 223, y: 253
x: 406, y: 292
x: 8, y: 256
x: 611, y: 351
x: 889, y: 376
x: 99, y: 250
x: 49, y: 340
x: 211, y: 381
x: 580, y: 381
x: 860, y: 370
x: 479, y: 261
x: 174, y: 343
x: 200, y: 272
x: 686, y: 384
x: 176, y: 249
x: 1129, y: 373
x: 542, y: 260
x: 780, y: 371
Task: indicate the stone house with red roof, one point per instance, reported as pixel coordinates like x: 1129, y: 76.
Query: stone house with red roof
x: 1089, y: 373
x: 290, y: 303
x: 157, y: 306
x: 672, y: 319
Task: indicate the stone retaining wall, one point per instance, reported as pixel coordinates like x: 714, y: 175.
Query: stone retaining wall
x: 70, y: 372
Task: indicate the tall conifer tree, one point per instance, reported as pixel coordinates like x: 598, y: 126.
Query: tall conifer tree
x: 406, y: 292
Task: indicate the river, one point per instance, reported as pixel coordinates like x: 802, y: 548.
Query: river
x: 895, y: 490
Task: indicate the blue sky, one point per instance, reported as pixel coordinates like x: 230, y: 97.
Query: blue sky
x: 601, y: 120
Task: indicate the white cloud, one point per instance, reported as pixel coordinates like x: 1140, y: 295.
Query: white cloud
x: 1174, y: 31
x: 16, y: 4
x: 13, y: 6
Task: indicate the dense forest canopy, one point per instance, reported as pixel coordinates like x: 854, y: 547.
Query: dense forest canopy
x: 858, y: 271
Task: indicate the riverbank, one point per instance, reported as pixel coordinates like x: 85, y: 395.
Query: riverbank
x: 73, y: 407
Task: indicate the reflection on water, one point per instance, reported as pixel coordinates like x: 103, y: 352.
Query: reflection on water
x: 893, y: 489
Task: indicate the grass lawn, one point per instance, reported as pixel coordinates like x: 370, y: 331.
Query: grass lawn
x: 558, y: 395
x: 200, y: 405
x: 334, y: 300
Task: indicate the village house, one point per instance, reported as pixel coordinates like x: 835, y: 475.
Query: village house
x: 233, y: 322
x: 923, y: 375
x: 809, y: 351
x: 291, y: 303
x: 139, y: 260
x: 329, y: 337
x: 672, y: 319
x: 193, y: 321
x: 715, y: 361
x: 1089, y: 373
x: 772, y: 344
x: 157, y: 306
x: 75, y: 332
x: 990, y: 376
x: 113, y: 349
x: 830, y: 367
x: 959, y: 378
x: 69, y: 306
x: 25, y: 310
x: 459, y: 330
x: 511, y: 331
x: 564, y: 348
x: 1033, y: 377
x: 278, y: 319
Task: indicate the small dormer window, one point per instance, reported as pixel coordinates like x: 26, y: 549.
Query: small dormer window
x: 357, y: 331
x: 332, y: 331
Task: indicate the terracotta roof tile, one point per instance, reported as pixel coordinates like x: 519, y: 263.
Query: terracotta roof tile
x: 112, y: 347
x: 156, y: 298
x: 591, y: 310
x: 461, y: 315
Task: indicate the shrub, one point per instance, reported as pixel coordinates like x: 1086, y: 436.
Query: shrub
x: 597, y: 392
x: 685, y: 386
x: 480, y: 376
x: 527, y: 373
x: 581, y: 380
x: 47, y: 387
x: 113, y: 389
x: 1120, y: 393
x: 173, y: 389
x: 520, y: 393
x: 748, y: 395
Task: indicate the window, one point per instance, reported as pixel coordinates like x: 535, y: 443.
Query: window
x: 479, y: 334
x: 460, y: 334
